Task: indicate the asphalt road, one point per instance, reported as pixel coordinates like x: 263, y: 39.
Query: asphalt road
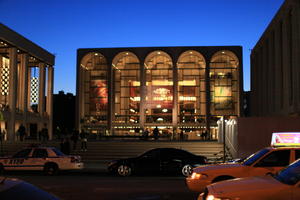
x: 97, y: 184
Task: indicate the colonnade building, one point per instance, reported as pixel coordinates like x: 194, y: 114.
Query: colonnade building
x: 26, y: 85
x: 123, y: 91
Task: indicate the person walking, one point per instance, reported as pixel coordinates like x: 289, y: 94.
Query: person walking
x: 146, y: 134
x: 22, y: 132
x: 155, y: 133
x: 74, y: 138
x: 83, y: 137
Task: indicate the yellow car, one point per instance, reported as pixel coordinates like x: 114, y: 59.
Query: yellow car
x: 283, y: 186
x: 267, y: 160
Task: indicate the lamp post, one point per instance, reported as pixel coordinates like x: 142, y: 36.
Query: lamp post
x: 224, y: 139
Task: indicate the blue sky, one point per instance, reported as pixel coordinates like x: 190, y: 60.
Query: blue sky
x: 63, y: 26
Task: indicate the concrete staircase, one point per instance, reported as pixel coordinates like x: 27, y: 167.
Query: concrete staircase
x: 108, y: 150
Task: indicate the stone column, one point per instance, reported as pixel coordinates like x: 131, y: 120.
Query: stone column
x: 24, y: 83
x: 28, y: 83
x: 50, y: 101
x: 143, y: 92
x: 41, y: 103
x: 12, y: 95
x: 175, y: 97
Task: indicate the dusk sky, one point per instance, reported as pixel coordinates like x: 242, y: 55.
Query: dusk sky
x: 63, y: 26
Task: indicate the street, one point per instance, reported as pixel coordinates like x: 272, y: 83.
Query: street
x: 89, y: 185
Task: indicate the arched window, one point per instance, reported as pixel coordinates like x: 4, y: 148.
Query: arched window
x: 224, y: 67
x: 95, y: 88
x: 159, y: 84
x: 126, y: 73
x: 191, y: 87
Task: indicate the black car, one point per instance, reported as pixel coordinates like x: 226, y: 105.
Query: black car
x: 159, y: 160
x: 16, y: 189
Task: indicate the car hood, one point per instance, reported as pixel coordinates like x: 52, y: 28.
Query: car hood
x: 206, y: 168
x: 245, y: 184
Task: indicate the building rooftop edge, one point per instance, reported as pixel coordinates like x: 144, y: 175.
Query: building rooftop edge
x: 15, y: 39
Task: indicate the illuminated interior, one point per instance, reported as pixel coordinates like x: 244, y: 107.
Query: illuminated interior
x: 126, y: 74
x: 94, y: 67
x: 159, y: 84
x: 151, y: 91
x: 191, y: 88
x: 224, y: 88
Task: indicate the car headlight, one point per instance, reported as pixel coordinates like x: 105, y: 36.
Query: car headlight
x: 196, y: 175
x: 212, y: 197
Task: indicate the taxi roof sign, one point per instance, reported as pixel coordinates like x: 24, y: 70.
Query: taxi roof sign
x: 285, y: 139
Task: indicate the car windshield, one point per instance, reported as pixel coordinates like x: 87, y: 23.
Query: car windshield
x: 254, y: 157
x: 290, y: 175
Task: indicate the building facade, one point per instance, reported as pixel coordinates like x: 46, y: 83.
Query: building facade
x: 26, y: 86
x: 123, y: 91
x: 275, y: 61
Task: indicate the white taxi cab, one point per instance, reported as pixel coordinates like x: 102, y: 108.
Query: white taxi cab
x: 284, y: 185
x: 47, y: 159
x: 265, y: 161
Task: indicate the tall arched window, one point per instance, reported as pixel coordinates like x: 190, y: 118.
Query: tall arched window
x: 126, y: 73
x: 191, y: 88
x: 159, y: 84
x: 95, y: 88
x: 224, y: 88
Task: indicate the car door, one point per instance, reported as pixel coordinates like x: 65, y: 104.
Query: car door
x: 171, y: 160
x: 149, y: 162
x: 272, y: 162
x: 38, y: 159
x: 18, y: 161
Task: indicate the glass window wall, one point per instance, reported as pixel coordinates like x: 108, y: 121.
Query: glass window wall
x: 191, y: 88
x: 223, y: 83
x: 95, y: 88
x: 126, y: 73
x: 159, y: 84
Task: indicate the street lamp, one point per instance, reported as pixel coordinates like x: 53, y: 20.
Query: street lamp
x: 224, y: 139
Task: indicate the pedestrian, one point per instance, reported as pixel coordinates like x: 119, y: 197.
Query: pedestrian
x: 155, y: 133
x: 181, y: 135
x: 65, y: 146
x: 204, y: 135
x: 83, y: 138
x: 22, y: 132
x: 146, y: 134
x: 44, y: 133
x: 74, y: 138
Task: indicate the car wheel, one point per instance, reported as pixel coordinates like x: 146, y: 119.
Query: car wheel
x: 124, y: 170
x: 51, y: 169
x: 187, y: 170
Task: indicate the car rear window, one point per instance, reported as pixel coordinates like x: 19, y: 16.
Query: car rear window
x: 58, y: 152
x: 254, y: 157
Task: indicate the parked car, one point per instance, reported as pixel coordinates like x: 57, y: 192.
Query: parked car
x: 11, y: 188
x: 47, y: 159
x: 267, y: 160
x: 159, y: 160
x: 284, y: 185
